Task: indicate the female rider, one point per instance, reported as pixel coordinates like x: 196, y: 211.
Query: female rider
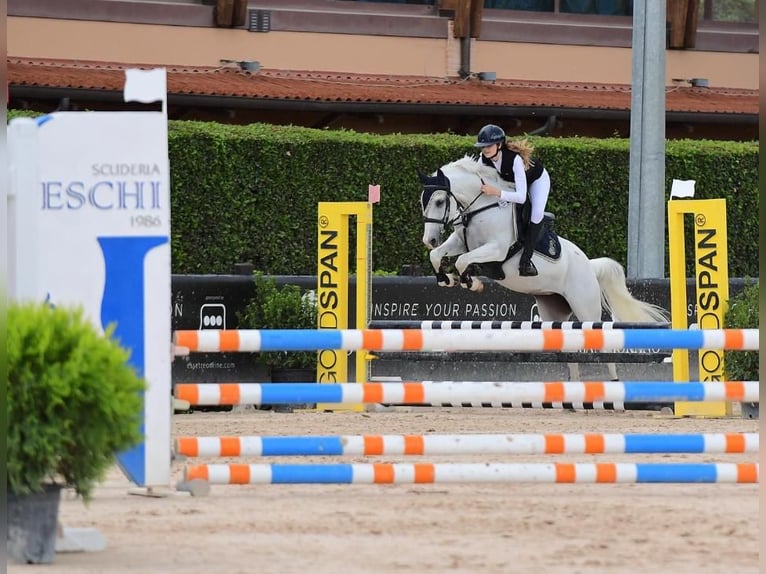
x: 514, y: 162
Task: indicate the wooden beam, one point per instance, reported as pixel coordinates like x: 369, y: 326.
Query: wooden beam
x: 682, y: 15
x: 224, y: 12
x: 239, y: 13
x: 477, y: 7
x: 448, y: 5
x: 466, y: 14
x: 462, y: 18
x: 692, y: 17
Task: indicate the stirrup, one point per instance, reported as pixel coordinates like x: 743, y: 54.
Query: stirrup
x: 527, y: 269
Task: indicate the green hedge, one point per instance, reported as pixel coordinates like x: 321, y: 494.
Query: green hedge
x: 742, y: 313
x: 250, y: 193
x: 591, y: 182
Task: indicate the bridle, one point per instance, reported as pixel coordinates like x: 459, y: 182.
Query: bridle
x: 445, y: 220
x: 440, y: 182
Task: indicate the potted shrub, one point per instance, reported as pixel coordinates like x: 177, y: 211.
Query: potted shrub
x: 283, y: 307
x: 73, y: 403
x: 742, y: 313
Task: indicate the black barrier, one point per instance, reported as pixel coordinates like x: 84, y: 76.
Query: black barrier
x: 214, y: 302
x: 513, y: 325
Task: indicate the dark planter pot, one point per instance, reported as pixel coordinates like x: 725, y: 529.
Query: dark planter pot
x: 750, y: 410
x: 292, y: 375
x: 32, y: 522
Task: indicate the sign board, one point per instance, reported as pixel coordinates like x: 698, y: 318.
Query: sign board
x: 200, y: 301
x: 333, y: 279
x: 90, y: 211
x: 712, y: 290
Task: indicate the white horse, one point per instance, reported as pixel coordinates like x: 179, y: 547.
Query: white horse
x: 485, y: 233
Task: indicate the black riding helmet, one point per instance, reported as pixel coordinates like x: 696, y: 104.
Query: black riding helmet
x: 490, y: 134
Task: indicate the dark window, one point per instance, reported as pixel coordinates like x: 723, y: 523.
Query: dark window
x: 711, y: 10
x: 422, y: 2
x: 533, y: 5
x: 729, y: 10
x: 604, y: 7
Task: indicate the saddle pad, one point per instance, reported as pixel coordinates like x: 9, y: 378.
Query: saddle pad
x: 548, y: 244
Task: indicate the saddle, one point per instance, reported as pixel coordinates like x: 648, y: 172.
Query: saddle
x: 548, y: 244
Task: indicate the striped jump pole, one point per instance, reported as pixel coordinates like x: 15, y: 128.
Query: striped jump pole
x: 437, y: 393
x: 464, y: 444
x: 253, y: 340
x: 425, y: 473
x: 472, y: 325
x: 572, y: 405
x: 576, y: 405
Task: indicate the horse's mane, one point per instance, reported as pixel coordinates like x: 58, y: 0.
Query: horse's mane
x: 472, y: 165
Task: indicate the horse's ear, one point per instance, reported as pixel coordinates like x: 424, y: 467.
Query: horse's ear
x: 422, y: 177
x: 440, y: 175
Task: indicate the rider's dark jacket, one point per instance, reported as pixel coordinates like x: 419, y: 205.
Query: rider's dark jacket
x: 506, y: 166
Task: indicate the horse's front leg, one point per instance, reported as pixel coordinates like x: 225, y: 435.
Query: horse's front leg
x: 488, y: 252
x: 454, y: 245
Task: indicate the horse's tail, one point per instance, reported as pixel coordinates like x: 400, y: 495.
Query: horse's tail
x: 616, y: 298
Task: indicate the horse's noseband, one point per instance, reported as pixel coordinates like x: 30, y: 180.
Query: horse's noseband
x: 425, y: 198
x: 441, y: 183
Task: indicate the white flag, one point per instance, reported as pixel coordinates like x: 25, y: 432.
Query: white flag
x: 682, y: 188
x: 145, y: 86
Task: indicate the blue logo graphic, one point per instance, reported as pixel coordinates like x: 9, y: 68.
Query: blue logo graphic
x: 123, y: 305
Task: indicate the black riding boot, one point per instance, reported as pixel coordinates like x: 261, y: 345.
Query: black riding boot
x: 526, y: 267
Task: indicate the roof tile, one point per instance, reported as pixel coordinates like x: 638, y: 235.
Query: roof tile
x: 270, y: 84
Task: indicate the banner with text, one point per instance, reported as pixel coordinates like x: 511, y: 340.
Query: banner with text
x: 92, y: 228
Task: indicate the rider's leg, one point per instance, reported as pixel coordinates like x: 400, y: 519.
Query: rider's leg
x: 538, y: 195
x: 526, y: 267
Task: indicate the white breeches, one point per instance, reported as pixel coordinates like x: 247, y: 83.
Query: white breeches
x: 538, y: 196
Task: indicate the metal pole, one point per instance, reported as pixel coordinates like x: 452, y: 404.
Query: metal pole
x: 646, y: 202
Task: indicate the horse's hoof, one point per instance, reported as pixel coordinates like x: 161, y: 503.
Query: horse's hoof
x: 446, y: 280
x: 478, y: 286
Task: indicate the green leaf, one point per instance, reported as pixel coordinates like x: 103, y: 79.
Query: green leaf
x: 73, y: 403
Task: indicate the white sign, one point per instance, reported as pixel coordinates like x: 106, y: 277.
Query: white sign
x: 681, y: 188
x: 90, y: 209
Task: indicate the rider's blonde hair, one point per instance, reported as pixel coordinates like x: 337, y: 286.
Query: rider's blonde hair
x: 524, y: 148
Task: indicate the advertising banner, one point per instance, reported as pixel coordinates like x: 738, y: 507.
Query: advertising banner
x: 712, y: 290
x: 91, y: 228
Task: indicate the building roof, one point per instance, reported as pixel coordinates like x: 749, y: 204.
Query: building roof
x: 270, y: 87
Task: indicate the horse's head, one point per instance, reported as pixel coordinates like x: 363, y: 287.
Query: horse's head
x: 438, y: 205
x: 449, y: 192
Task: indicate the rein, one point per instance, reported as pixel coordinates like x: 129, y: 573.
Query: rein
x: 445, y: 220
x: 463, y: 216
